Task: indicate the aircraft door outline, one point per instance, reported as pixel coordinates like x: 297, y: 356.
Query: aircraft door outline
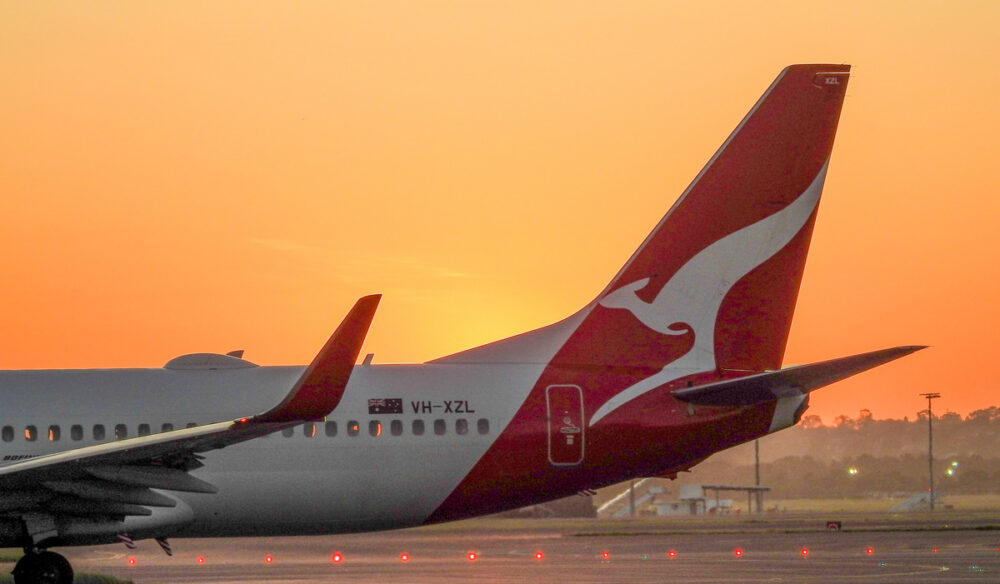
x: 566, y: 435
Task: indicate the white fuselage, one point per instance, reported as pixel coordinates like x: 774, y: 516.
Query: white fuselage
x: 380, y: 476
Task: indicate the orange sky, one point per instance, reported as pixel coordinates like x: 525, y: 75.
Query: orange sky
x: 180, y: 177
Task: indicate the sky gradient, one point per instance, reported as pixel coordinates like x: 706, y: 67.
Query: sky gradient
x: 183, y: 177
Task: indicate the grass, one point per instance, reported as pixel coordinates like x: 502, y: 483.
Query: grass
x: 962, y: 503
x: 78, y: 579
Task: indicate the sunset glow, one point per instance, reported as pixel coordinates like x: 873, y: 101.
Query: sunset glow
x: 184, y: 177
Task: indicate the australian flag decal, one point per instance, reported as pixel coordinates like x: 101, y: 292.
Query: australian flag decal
x: 385, y: 406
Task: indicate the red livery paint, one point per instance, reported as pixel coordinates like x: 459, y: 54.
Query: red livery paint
x: 779, y: 151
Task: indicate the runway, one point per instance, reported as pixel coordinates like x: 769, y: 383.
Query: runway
x: 774, y: 551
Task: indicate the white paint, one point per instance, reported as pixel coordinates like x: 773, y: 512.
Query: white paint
x: 279, y: 485
x: 784, y: 411
x: 694, y: 294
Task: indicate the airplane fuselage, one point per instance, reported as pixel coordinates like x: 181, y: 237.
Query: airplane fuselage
x: 401, y: 442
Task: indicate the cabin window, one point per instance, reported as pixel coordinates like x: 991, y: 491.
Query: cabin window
x: 121, y: 432
x: 353, y: 428
x: 144, y: 430
x: 190, y: 425
x: 54, y: 434
x: 375, y: 428
x: 461, y: 426
x: 331, y: 429
x: 309, y: 430
x: 31, y: 433
x: 288, y: 432
x: 483, y: 425
x: 76, y: 432
x: 98, y: 432
x: 166, y: 427
x: 440, y: 427
x: 396, y: 428
x: 418, y: 427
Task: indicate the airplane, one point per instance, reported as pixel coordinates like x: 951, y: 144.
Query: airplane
x: 679, y: 357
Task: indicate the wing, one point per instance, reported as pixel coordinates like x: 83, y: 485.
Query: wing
x: 796, y: 380
x: 113, y: 480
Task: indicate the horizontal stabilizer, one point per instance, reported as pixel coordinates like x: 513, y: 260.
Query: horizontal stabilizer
x: 795, y: 380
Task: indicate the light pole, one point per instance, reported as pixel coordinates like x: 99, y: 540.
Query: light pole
x: 756, y: 465
x: 930, y: 442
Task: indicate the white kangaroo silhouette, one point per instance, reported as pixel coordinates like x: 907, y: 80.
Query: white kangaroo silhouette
x: 694, y: 294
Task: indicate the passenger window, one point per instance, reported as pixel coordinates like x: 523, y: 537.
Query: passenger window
x: 166, y: 427
x: 144, y: 429
x: 309, y: 430
x: 190, y: 425
x: 288, y: 432
x: 98, y: 432
x: 396, y: 427
x: 31, y: 433
x: 375, y: 428
x: 121, y: 432
x: 461, y: 426
x: 331, y: 429
x: 418, y: 427
x: 483, y: 425
x: 353, y: 428
x: 8, y: 433
x: 76, y: 432
x: 54, y: 433
x: 439, y: 427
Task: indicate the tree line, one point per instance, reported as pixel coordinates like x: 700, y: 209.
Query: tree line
x: 865, y: 457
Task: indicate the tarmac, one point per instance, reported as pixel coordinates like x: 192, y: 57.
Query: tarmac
x: 880, y: 549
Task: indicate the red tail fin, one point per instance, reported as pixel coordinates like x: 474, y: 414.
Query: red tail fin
x: 712, y: 287
x: 728, y: 257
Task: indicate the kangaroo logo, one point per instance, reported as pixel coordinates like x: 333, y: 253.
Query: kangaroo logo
x: 689, y: 302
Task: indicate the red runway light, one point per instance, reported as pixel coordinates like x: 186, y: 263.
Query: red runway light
x: 404, y: 557
x: 738, y: 552
x: 539, y: 555
x: 870, y: 551
x: 336, y: 558
x: 605, y: 556
x: 131, y: 561
x: 934, y: 550
x: 471, y: 556
x: 805, y: 552
x: 201, y: 560
x: 268, y: 559
x: 672, y: 554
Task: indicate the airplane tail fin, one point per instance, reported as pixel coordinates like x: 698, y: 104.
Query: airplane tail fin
x: 721, y: 271
x: 714, y: 284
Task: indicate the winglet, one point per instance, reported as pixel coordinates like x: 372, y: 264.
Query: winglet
x: 322, y: 384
